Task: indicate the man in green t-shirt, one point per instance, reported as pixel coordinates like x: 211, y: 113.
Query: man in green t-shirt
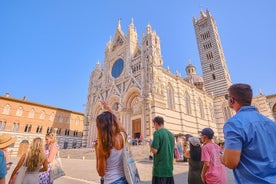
x: 163, y: 149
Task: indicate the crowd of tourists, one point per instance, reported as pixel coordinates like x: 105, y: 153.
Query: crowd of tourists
x: 246, y: 131
x: 35, y: 166
x: 249, y: 149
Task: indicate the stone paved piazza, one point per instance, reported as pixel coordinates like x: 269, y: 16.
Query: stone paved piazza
x: 79, y: 165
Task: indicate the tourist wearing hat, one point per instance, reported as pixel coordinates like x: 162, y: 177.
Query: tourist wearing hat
x: 5, y: 141
x: 213, y: 171
x: 195, y: 163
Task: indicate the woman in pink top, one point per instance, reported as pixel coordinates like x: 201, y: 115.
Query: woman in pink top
x: 213, y: 172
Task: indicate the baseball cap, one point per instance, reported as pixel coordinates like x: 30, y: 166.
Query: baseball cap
x: 208, y: 132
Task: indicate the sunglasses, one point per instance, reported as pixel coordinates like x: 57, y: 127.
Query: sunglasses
x: 228, y: 97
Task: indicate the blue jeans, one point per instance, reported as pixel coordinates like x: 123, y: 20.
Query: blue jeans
x: 121, y: 180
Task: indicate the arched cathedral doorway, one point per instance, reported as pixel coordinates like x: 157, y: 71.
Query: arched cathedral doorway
x: 136, y: 128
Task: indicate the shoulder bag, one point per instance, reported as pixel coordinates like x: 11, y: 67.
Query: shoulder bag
x: 130, y: 170
x: 56, y: 170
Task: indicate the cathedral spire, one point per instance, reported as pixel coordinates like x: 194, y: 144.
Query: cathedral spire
x: 98, y: 65
x: 131, y: 25
x: 119, y: 24
x: 132, y: 22
x: 148, y: 28
x: 132, y: 38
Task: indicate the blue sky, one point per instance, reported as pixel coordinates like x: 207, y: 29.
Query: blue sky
x: 49, y: 48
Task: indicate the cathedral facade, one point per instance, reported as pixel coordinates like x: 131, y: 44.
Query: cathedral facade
x: 137, y: 87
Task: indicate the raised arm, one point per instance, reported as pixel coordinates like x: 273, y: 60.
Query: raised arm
x: 107, y: 107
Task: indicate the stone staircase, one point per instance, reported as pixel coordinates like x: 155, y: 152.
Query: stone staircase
x: 140, y: 152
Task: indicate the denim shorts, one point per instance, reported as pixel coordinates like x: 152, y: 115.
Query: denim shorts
x: 121, y: 180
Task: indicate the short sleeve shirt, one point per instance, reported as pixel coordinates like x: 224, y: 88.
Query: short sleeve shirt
x: 3, y: 166
x: 216, y: 172
x: 255, y: 135
x: 163, y: 141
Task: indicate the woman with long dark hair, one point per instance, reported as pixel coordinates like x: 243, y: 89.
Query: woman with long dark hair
x: 109, y: 148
